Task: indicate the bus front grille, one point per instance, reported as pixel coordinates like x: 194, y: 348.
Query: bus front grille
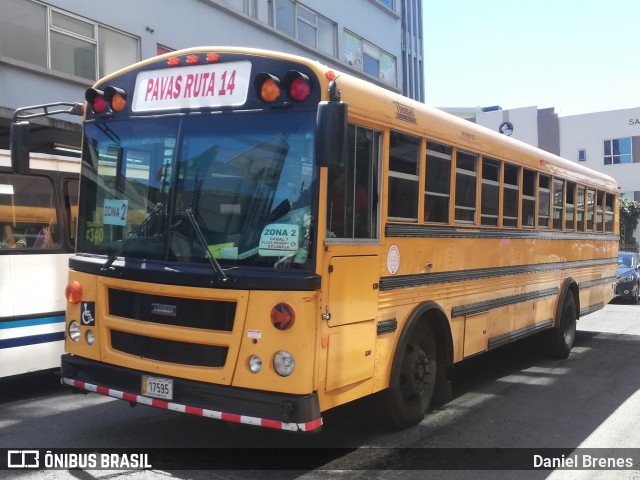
x: 169, y: 350
x: 182, y: 312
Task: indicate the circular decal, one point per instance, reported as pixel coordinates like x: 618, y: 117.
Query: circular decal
x: 506, y: 128
x: 393, y: 259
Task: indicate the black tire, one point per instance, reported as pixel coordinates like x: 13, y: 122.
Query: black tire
x: 563, y: 335
x: 636, y: 298
x: 409, y: 395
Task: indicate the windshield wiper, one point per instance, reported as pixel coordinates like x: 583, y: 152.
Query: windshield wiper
x: 214, y: 263
x: 147, y: 221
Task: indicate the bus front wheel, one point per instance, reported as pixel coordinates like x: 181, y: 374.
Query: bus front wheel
x: 563, y: 334
x: 410, y: 394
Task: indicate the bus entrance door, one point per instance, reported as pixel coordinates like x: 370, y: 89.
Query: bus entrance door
x: 351, y: 312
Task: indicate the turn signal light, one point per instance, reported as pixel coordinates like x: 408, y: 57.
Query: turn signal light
x: 73, y: 292
x: 283, y: 316
x: 267, y: 87
x: 116, y: 97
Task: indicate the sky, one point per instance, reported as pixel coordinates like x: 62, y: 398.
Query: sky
x: 579, y: 56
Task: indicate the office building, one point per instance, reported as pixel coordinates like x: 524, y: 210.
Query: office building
x: 54, y: 50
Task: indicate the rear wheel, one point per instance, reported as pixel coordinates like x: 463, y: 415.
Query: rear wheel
x: 409, y: 396
x: 563, y: 335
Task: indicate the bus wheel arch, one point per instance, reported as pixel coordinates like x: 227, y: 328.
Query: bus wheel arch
x: 422, y: 361
x: 562, y: 336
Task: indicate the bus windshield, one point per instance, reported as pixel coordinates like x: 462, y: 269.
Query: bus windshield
x: 243, y: 180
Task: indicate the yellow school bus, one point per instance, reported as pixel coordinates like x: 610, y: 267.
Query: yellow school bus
x: 262, y: 238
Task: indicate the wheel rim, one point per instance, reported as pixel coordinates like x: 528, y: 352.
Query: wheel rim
x: 416, y: 375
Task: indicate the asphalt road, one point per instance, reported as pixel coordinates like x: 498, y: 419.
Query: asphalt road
x: 514, y: 397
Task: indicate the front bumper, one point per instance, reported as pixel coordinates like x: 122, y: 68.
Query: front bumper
x: 626, y: 289
x: 300, y: 413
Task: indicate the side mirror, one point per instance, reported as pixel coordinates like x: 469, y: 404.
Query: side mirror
x: 19, y: 145
x: 331, y: 134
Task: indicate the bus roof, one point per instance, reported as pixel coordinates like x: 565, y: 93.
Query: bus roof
x: 373, y: 103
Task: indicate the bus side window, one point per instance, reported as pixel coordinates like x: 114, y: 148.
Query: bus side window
x: 28, y: 212
x: 404, y: 180
x: 352, y: 197
x: 438, y: 183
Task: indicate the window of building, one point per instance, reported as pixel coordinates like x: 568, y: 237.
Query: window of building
x: 466, y: 180
x: 352, y: 200
x: 490, y: 194
x: 74, y: 44
x: 117, y: 50
x: 244, y: 6
x: 617, y: 151
x: 372, y: 60
x: 582, y: 155
x: 528, y: 198
x: 511, y: 191
x: 438, y: 183
x: 309, y: 27
x: 387, y: 3
x: 161, y: 49
x: 558, y: 199
x: 544, y: 193
x: 404, y: 154
x: 23, y: 32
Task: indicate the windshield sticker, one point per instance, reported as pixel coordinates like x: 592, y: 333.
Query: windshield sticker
x: 115, y: 212
x: 224, y: 251
x: 279, y: 239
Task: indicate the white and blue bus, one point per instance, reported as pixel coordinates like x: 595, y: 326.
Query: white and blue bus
x: 38, y: 216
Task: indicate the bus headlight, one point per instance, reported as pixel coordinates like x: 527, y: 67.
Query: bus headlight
x: 255, y: 364
x: 90, y: 337
x: 283, y: 363
x: 74, y: 331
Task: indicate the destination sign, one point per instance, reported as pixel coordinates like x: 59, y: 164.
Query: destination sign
x: 212, y: 85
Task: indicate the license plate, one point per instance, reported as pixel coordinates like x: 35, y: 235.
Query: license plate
x: 157, y: 387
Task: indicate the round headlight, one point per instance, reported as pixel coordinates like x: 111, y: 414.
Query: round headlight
x: 90, y: 337
x: 283, y: 363
x: 628, y: 278
x: 74, y: 331
x: 255, y: 364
